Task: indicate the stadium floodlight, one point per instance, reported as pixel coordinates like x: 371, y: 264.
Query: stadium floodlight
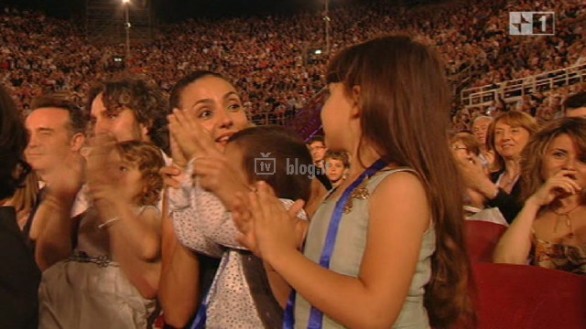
x: 127, y: 25
x: 327, y: 23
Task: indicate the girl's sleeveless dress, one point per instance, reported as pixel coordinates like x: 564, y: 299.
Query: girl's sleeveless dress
x: 89, y: 290
x: 349, y: 249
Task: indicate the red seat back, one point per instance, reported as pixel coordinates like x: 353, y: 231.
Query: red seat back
x: 522, y: 296
x: 481, y: 239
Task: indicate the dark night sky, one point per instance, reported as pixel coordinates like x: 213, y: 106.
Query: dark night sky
x: 172, y: 10
x: 177, y: 10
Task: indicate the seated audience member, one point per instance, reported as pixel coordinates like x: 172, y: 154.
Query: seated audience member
x: 466, y: 150
x: 576, y: 105
x: 480, y: 127
x: 19, y: 275
x: 111, y: 278
x: 245, y: 294
x: 337, y: 165
x: 550, y: 230
x: 507, y: 135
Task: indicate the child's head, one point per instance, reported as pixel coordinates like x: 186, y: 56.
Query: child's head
x: 139, y: 171
x: 337, y: 163
x: 399, y: 91
x: 275, y: 155
x: 390, y: 95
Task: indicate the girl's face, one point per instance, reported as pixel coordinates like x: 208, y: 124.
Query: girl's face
x: 334, y: 170
x: 128, y: 177
x: 510, y: 141
x: 217, y: 106
x: 562, y: 154
x: 335, y: 116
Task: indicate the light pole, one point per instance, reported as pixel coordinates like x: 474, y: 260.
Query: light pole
x: 126, y: 3
x: 327, y: 22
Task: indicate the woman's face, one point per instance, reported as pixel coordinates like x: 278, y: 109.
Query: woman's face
x: 562, y: 154
x: 510, y: 141
x: 217, y: 106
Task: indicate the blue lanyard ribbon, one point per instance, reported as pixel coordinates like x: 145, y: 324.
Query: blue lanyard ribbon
x: 316, y: 316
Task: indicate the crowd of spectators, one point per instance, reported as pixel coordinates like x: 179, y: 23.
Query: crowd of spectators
x: 267, y: 57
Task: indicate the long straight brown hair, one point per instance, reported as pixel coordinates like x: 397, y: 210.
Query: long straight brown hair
x: 405, y: 113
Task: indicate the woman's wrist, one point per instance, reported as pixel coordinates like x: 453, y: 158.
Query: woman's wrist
x: 533, y: 203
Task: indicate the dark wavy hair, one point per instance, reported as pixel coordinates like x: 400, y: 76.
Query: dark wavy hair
x: 141, y: 96
x: 13, y: 141
x: 177, y: 90
x: 405, y: 114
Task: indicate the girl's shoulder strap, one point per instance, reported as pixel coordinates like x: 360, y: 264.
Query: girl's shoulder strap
x: 376, y: 179
x: 379, y: 176
x: 142, y: 209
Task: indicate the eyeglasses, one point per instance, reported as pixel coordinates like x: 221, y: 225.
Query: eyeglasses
x: 457, y: 148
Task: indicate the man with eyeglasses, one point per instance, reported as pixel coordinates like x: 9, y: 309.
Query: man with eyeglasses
x: 317, y: 148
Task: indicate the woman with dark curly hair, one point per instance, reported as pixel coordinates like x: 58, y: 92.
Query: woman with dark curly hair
x: 19, y: 275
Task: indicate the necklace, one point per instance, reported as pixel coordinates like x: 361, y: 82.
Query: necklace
x: 565, y: 215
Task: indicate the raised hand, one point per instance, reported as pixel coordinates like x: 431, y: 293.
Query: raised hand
x: 177, y: 155
x: 191, y: 138
x: 558, y: 186
x: 243, y: 221
x: 66, y: 180
x: 471, y: 170
x: 102, y: 162
x: 275, y: 228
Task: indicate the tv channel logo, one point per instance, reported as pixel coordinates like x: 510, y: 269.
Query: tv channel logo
x: 265, y: 165
x: 532, y: 23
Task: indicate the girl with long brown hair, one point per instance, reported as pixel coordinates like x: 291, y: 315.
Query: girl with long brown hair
x: 385, y: 248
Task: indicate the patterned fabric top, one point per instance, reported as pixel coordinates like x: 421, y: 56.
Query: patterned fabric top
x: 559, y: 256
x: 203, y: 224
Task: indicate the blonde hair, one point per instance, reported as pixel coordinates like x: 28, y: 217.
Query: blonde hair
x: 149, y: 160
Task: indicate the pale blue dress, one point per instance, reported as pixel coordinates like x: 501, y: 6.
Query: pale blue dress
x: 349, y: 250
